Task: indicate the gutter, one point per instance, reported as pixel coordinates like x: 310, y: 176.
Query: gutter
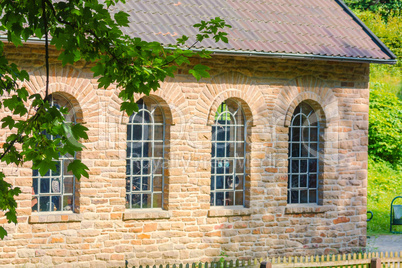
x: 36, y: 41
x: 296, y: 56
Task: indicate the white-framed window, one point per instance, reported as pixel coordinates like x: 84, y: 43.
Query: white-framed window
x: 56, y: 190
x: 303, y: 161
x: 228, y: 156
x: 145, y: 156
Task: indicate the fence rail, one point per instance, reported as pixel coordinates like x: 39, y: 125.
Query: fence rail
x: 360, y: 260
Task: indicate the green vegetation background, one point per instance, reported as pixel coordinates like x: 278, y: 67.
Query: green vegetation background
x: 385, y: 121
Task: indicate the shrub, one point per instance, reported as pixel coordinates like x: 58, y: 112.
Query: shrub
x: 385, y: 125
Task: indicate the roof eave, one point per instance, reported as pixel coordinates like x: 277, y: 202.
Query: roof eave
x: 297, y: 56
x: 35, y: 40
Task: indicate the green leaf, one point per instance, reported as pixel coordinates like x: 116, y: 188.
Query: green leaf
x: 200, y: 71
x: 8, y: 121
x: 3, y: 232
x: 78, y: 168
x: 129, y: 107
x: 122, y: 18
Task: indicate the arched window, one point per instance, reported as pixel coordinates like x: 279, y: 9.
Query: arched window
x: 55, y: 191
x: 228, y: 155
x: 145, y: 156
x: 303, y: 162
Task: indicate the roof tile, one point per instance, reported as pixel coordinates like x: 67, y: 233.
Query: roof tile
x: 276, y: 26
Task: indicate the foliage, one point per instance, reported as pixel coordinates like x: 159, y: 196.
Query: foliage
x: 385, y: 125
x: 389, y: 31
x: 384, y: 7
x: 384, y: 178
x: 384, y: 184
x: 81, y: 30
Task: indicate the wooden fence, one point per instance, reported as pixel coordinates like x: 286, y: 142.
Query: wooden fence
x: 361, y: 260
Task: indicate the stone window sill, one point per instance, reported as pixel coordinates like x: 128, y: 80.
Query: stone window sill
x: 146, y: 214
x: 54, y: 218
x: 308, y: 209
x: 229, y: 211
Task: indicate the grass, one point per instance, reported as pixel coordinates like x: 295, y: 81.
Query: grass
x: 384, y: 183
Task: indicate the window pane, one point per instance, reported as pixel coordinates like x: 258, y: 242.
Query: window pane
x: 295, y: 132
x: 295, y: 181
x: 303, y: 196
x: 56, y: 172
x: 146, y: 201
x: 158, y: 133
x: 157, y: 200
x: 145, y: 183
x: 68, y: 203
x: 67, y: 162
x: 303, y: 180
x: 239, y: 182
x: 136, y: 186
x: 44, y: 185
x: 295, y: 149
x: 44, y: 203
x: 157, y: 165
x: 68, y: 185
x: 294, y: 196
x: 127, y: 201
x: 313, y: 149
x: 136, y: 167
x: 295, y: 166
x: 312, y: 183
x: 128, y: 185
x: 158, y: 149
x: 219, y: 182
x: 313, y: 196
x: 35, y: 185
x: 136, y: 201
x: 229, y: 199
x: 239, y: 198
x: 303, y: 166
x: 304, y: 149
x: 157, y: 183
x: 146, y: 168
x: 219, y: 199
x: 56, y: 187
x: 312, y: 165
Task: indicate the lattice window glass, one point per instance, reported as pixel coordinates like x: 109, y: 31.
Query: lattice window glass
x: 304, y: 133
x: 55, y: 191
x: 228, y: 162
x: 145, y: 156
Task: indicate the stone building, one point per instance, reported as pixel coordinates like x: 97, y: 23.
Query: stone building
x: 266, y: 157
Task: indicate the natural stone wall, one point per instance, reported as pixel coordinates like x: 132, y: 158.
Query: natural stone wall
x: 104, y: 233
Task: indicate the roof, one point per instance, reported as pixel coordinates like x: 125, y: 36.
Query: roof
x: 285, y: 28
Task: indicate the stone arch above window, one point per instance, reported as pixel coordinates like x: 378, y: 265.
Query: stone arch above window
x: 228, y: 155
x: 57, y: 190
x: 319, y: 93
x: 146, y: 135
x: 304, y: 155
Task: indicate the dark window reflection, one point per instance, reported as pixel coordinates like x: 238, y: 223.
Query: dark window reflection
x: 145, y: 156
x: 303, y: 155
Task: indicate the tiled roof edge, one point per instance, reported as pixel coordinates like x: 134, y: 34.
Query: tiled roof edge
x: 35, y: 40
x: 296, y: 56
x: 366, y: 29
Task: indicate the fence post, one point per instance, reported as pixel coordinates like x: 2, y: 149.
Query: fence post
x: 266, y: 264
x: 375, y: 263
